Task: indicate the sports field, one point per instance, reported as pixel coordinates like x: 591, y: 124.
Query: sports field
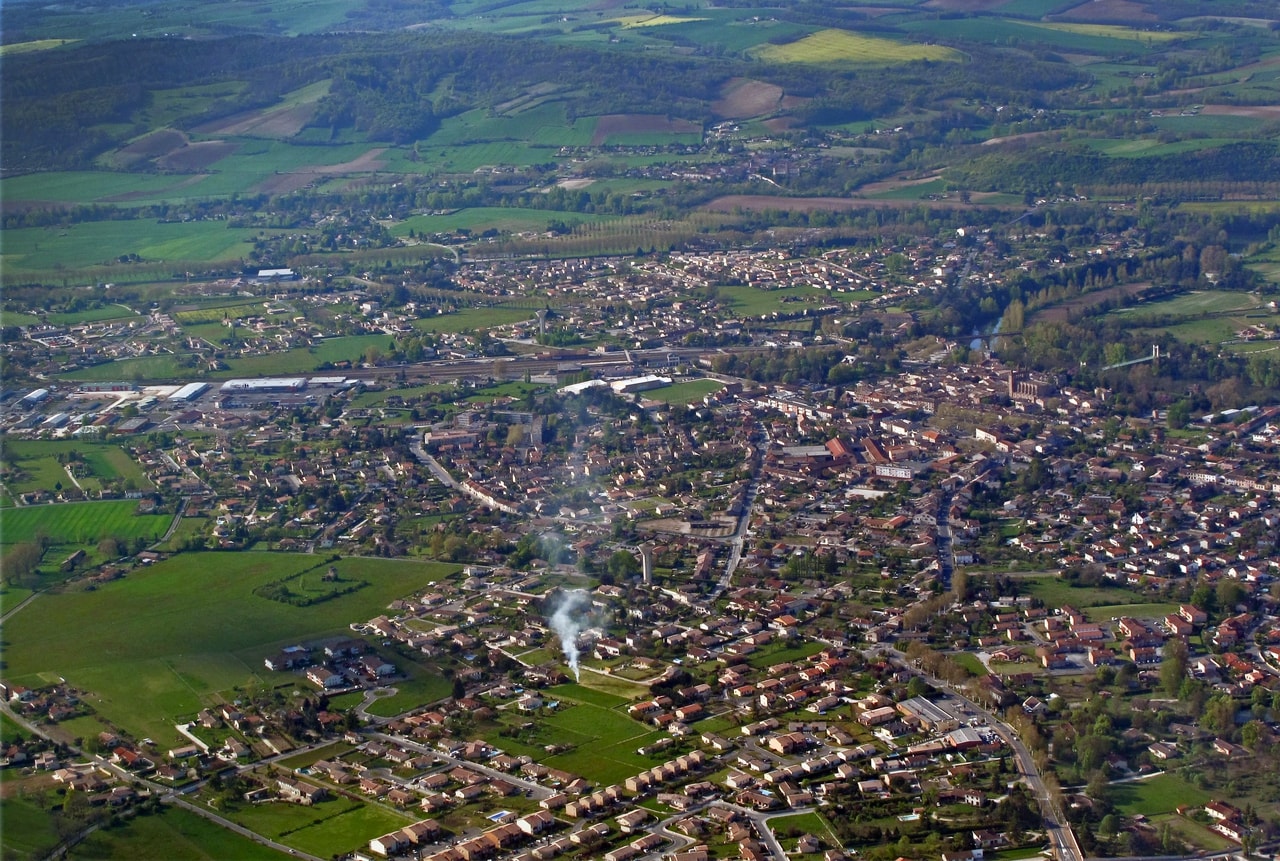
x: 164, y: 641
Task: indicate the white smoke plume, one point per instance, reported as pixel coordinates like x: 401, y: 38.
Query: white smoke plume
x: 568, y: 619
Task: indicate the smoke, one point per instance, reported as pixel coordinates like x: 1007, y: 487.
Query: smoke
x: 568, y: 620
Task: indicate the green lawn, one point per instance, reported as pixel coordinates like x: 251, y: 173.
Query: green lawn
x: 1106, y: 612
x: 688, y: 392
x: 605, y: 740
x: 172, y: 835
x: 1057, y: 593
x: 165, y: 641
x: 1157, y: 795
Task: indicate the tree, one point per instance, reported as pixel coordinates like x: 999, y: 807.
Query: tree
x: 1173, y: 666
x: 459, y: 688
x: 110, y: 547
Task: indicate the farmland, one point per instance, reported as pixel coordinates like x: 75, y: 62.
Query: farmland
x: 841, y: 46
x: 172, y: 835
x: 82, y: 523
x: 166, y: 640
x: 42, y: 466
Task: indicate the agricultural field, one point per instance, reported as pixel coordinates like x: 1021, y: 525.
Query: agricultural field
x: 1003, y: 31
x: 98, y: 243
x: 844, y: 47
x: 29, y: 831
x: 1210, y: 316
x: 167, y: 640
x: 82, y: 523
x: 173, y: 834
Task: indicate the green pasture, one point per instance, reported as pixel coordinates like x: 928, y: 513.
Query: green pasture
x: 733, y: 30
x: 289, y: 17
x: 29, y: 831
x: 756, y: 302
x: 605, y: 741
x: 843, y: 47
x: 914, y: 191
x: 81, y: 523
x: 1160, y: 794
x: 168, y: 639
x: 142, y: 368
x: 687, y: 392
x: 1143, y: 147
x: 173, y: 834
x: 1003, y: 31
x: 166, y: 107
x: 1034, y: 8
x: 479, y: 219
x: 32, y: 465
x: 35, y: 45
x: 542, y: 123
x: 472, y: 319
x: 92, y: 315
x: 1215, y: 125
x: 1195, y: 303
x: 580, y: 693
x: 95, y: 243
x: 345, y: 348
x: 1107, y: 612
x: 347, y: 831
x: 1056, y: 593
x: 81, y: 187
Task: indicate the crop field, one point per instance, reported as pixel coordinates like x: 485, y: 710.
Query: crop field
x: 1195, y: 303
x: 38, y: 460
x: 81, y: 186
x: 34, y: 45
x: 841, y: 46
x: 92, y: 315
x: 1113, y: 31
x: 219, y: 313
x: 644, y: 130
x: 1210, y: 124
x: 1001, y: 31
x: 82, y: 523
x: 173, y: 834
x: 733, y: 31
x: 1143, y: 147
x: 35, y: 249
x: 288, y: 17
x: 166, y: 640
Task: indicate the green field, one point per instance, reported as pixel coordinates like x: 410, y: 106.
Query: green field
x: 688, y: 392
x: 844, y: 47
x: 1058, y: 593
x: 1003, y: 31
x: 605, y: 739
x: 1161, y: 794
x: 82, y: 523
x: 33, y: 465
x: 29, y: 831
x: 101, y: 243
x: 166, y: 640
x: 172, y: 835
x: 1107, y: 612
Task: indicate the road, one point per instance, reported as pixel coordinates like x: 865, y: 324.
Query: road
x: 534, y: 790
x: 738, y: 538
x: 1056, y: 827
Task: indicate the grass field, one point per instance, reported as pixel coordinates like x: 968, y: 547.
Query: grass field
x: 28, y: 830
x: 1157, y: 795
x: 33, y: 465
x: 1057, y: 593
x: 604, y: 738
x: 829, y: 47
x: 1107, y: 612
x: 162, y: 642
x: 82, y: 523
x: 95, y: 243
x: 1004, y: 31
x: 754, y: 302
x: 172, y: 835
x: 688, y: 392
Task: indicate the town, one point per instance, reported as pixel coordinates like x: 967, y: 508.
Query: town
x: 716, y: 554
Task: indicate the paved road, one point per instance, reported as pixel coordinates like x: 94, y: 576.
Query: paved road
x: 534, y: 790
x: 744, y: 517
x: 1056, y: 826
